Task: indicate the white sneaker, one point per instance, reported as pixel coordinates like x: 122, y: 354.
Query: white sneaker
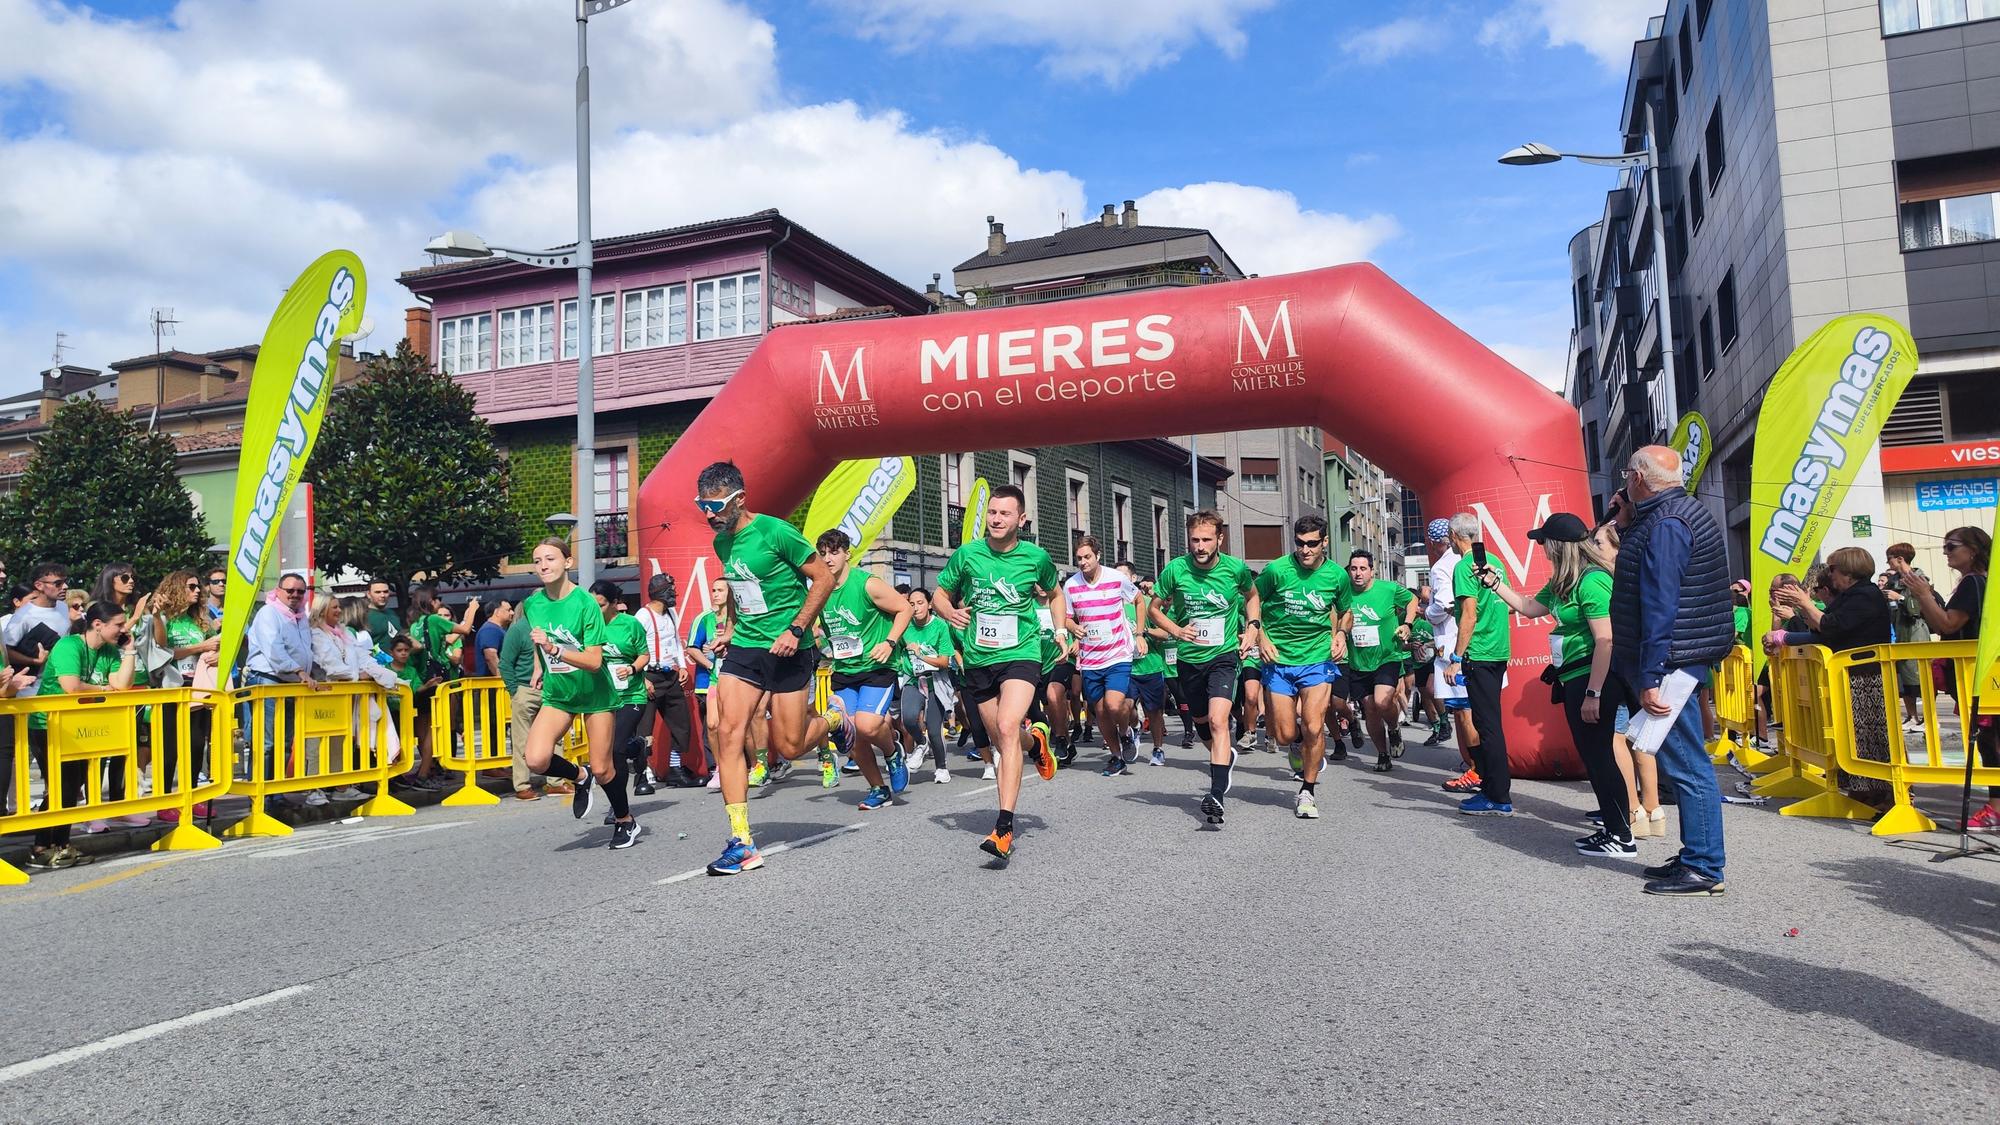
x: 714, y: 782
x: 348, y: 793
x: 1305, y: 807
x: 942, y: 776
x: 316, y: 798
x: 915, y: 761
x: 986, y: 774
x: 1248, y: 741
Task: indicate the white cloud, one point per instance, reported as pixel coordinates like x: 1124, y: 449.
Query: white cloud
x: 1410, y: 35
x: 1605, y: 28
x: 1265, y: 230
x: 1112, y: 40
x: 907, y: 202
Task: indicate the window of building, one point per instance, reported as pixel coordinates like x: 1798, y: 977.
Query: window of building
x: 1121, y: 524
x: 1899, y: 16
x: 1678, y: 243
x: 1593, y: 453
x: 1949, y: 200
x: 789, y: 294
x: 1725, y: 311
x: 1701, y: 8
x: 603, y: 318
x: 1707, y: 342
x: 1696, y: 208
x: 1162, y: 536
x: 1581, y: 300
x: 655, y: 318
x: 1948, y: 222
x: 1687, y: 51
x: 1021, y: 474
x: 1259, y: 474
x: 613, y: 486
x: 1687, y: 369
x: 1078, y: 485
x: 1670, y: 107
x: 527, y: 335
x: 729, y: 306
x: 1974, y: 408
x: 1712, y: 144
x: 465, y: 343
x: 1263, y: 541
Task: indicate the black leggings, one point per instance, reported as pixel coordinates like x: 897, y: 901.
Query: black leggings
x: 169, y: 759
x: 669, y: 701
x: 1593, y: 745
x: 1483, y: 679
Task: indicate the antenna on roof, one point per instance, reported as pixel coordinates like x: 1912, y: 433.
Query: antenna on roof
x: 62, y: 345
x: 163, y: 325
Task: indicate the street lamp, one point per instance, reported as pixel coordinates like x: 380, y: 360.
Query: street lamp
x: 1649, y: 161
x: 563, y: 526
x: 463, y: 244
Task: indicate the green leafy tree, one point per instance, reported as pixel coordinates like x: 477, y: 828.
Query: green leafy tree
x: 101, y: 489
x: 407, y: 479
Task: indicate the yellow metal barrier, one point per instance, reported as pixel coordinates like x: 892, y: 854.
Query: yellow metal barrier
x: 97, y: 736
x: 1808, y: 768
x: 1735, y: 710
x: 1931, y: 765
x: 471, y: 720
x: 299, y: 738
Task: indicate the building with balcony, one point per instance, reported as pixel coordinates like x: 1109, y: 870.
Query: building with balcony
x: 1364, y: 509
x: 1818, y: 157
x: 673, y: 315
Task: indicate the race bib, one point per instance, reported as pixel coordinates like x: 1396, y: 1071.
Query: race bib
x: 1173, y: 658
x: 996, y: 630
x: 845, y: 648
x: 1556, y: 649
x: 620, y: 678
x: 1208, y: 631
x: 749, y: 595
x: 1367, y: 636
x: 1100, y: 632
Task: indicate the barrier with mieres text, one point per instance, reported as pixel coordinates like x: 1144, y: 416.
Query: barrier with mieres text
x: 1931, y: 765
x: 471, y: 720
x: 299, y: 738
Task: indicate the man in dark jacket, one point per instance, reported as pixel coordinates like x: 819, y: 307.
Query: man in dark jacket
x: 1671, y: 619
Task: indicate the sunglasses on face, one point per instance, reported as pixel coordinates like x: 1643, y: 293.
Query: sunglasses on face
x: 715, y: 507
x: 1308, y: 543
x: 290, y: 592
x: 194, y: 587
x: 1952, y: 544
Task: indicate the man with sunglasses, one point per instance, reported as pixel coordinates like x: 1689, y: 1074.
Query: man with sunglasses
x: 1379, y: 618
x: 1208, y: 601
x: 40, y: 621
x: 779, y: 585
x: 1302, y: 599
x: 278, y: 650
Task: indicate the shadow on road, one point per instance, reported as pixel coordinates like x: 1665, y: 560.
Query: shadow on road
x: 1965, y: 910
x: 1891, y: 1010
x: 980, y: 821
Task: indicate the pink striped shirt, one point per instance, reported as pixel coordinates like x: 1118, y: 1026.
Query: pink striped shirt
x: 1100, y: 608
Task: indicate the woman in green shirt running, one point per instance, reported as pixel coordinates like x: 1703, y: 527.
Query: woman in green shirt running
x: 567, y: 628
x: 625, y: 658
x: 1578, y: 596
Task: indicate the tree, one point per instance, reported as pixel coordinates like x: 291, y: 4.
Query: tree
x: 407, y: 479
x: 101, y: 489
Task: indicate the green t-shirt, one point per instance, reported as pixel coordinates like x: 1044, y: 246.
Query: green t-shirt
x: 73, y: 656
x: 185, y: 632
x: 1051, y: 648
x: 382, y: 628
x: 1299, y: 609
x: 517, y: 655
x: 624, y: 642
x: 1002, y: 591
x: 932, y: 638
x: 1741, y: 614
x: 854, y: 626
x: 1490, y: 636
x: 764, y: 566
x: 1208, y: 601
x: 1154, y: 663
x: 433, y: 632
x: 574, y: 622
x: 1421, y: 633
x: 1570, y: 644
x: 1371, y: 642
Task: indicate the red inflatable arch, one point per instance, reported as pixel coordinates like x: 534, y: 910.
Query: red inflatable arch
x: 1345, y: 349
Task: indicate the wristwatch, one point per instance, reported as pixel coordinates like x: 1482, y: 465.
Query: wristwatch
x: 798, y: 631
x: 1253, y: 623
x: 1592, y: 693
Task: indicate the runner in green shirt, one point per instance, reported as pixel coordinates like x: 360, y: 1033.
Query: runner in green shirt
x: 991, y: 588
x: 1207, y: 601
x: 1479, y: 658
x: 778, y: 586
x: 1578, y: 596
x: 567, y: 628
x: 1303, y: 598
x: 865, y: 622
x: 625, y: 659
x: 926, y: 697
x: 1378, y: 622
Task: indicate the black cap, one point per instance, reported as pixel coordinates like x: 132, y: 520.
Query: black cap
x: 1561, y: 527
x: 659, y: 586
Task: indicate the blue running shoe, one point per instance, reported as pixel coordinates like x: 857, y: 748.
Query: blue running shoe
x: 1479, y: 805
x: 899, y: 770
x: 736, y: 858
x: 1115, y: 767
x: 877, y: 797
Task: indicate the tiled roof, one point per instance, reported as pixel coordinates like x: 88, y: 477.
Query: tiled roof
x: 191, y: 360
x: 15, y: 464
x: 864, y: 313
x: 1084, y: 239
x: 601, y: 243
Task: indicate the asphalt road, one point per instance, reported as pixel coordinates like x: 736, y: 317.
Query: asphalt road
x: 1391, y: 961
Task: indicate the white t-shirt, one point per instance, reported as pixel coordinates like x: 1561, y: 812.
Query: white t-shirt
x: 663, y: 639
x: 1100, y: 608
x: 23, y: 622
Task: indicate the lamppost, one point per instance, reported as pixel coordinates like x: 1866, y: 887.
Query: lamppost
x: 461, y: 244
x: 1649, y: 161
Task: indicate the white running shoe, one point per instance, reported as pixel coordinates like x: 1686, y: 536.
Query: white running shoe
x: 1248, y: 741
x: 714, y: 782
x: 316, y: 798
x: 986, y: 774
x: 1305, y: 807
x: 942, y: 776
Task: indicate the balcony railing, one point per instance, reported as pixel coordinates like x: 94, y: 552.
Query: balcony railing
x: 614, y: 535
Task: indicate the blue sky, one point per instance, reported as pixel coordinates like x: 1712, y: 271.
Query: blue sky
x: 209, y: 171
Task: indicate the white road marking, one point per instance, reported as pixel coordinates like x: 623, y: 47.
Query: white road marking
x: 789, y: 845
x: 373, y: 833
x: 29, y: 1067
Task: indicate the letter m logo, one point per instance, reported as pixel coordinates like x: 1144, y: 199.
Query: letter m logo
x: 1264, y: 337
x: 839, y: 379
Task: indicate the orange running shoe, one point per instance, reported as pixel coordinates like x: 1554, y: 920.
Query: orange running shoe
x: 999, y: 845
x: 1466, y: 782
x: 1045, y: 762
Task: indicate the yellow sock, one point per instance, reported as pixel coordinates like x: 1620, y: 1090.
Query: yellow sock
x: 739, y: 822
